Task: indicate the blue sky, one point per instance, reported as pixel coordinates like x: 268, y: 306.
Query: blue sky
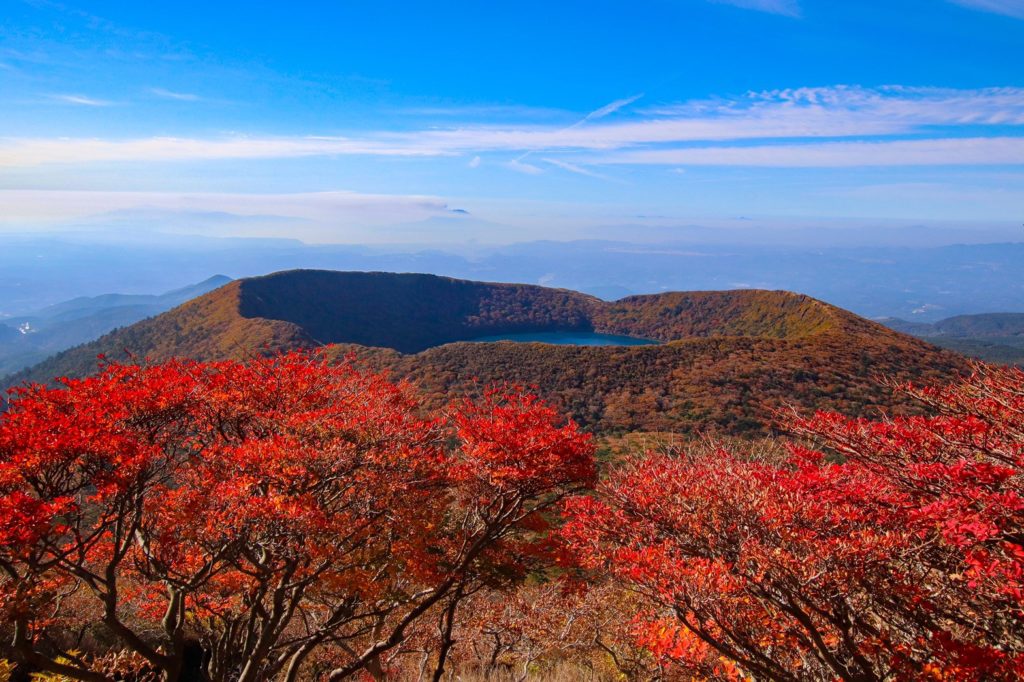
x: 358, y: 121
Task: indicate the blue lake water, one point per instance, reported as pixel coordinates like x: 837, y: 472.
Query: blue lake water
x: 569, y: 339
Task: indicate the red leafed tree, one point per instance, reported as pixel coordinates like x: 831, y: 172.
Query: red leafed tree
x: 236, y: 520
x: 888, y: 549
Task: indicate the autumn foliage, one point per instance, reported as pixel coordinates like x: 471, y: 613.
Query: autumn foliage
x: 290, y: 519
x: 253, y: 521
x: 877, y: 550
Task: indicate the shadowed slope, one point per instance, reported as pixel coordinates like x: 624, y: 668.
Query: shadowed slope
x: 409, y: 312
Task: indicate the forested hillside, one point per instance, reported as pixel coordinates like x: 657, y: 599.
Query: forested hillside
x: 726, y: 361
x: 726, y: 384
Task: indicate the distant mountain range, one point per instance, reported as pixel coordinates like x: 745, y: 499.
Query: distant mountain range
x: 994, y: 337
x: 29, y: 338
x: 727, y: 359
x: 923, y: 284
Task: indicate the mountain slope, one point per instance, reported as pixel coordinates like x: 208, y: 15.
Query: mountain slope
x: 727, y: 358
x: 749, y: 312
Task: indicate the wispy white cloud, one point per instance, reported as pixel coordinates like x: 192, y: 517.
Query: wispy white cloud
x: 594, y: 115
x: 474, y: 162
x: 983, y: 151
x: 81, y: 100
x: 1010, y: 8
x: 43, y: 206
x: 521, y: 167
x: 490, y: 111
x: 802, y: 113
x: 896, y: 107
x: 787, y: 120
x: 789, y: 8
x: 36, y: 151
x: 610, y: 108
x: 170, y: 94
x: 579, y: 170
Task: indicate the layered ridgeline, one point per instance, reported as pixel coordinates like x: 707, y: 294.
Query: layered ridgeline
x: 993, y: 337
x: 28, y: 338
x: 724, y: 359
